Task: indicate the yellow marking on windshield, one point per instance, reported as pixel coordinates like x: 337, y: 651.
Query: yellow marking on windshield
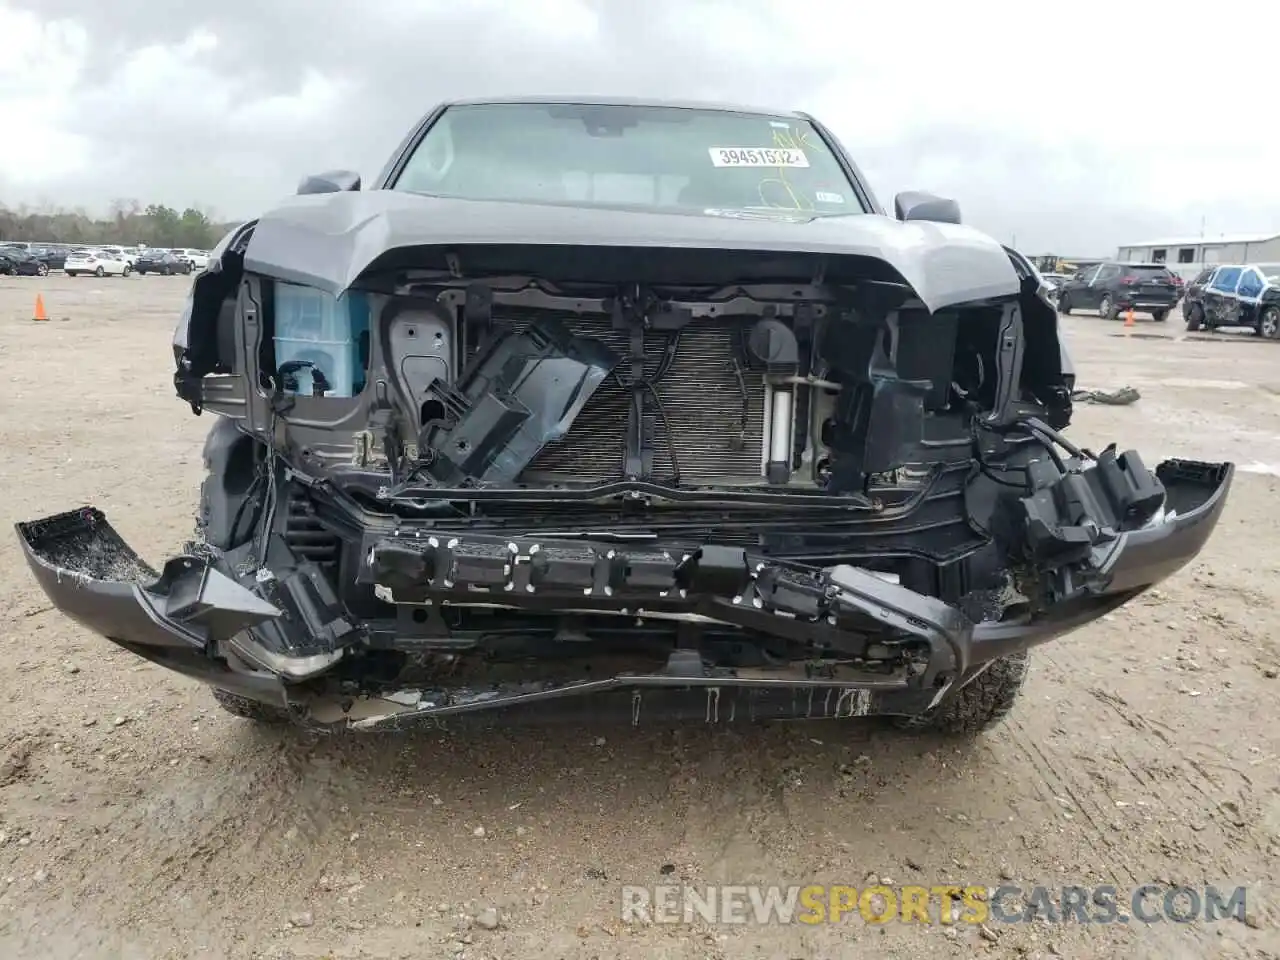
x: 787, y: 140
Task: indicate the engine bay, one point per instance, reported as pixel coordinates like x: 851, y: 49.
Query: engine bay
x: 513, y: 381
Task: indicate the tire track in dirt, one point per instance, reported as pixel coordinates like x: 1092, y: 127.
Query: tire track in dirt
x: 1177, y: 791
x: 194, y: 838
x: 1046, y: 764
x: 1178, y: 759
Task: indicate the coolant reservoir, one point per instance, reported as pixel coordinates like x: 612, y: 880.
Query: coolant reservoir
x: 323, y: 333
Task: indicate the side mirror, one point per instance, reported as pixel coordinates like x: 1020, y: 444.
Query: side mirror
x: 332, y: 181
x: 913, y: 205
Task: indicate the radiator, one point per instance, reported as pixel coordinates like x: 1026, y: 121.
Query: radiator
x: 703, y: 400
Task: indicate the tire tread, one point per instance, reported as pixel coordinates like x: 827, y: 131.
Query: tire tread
x: 980, y: 705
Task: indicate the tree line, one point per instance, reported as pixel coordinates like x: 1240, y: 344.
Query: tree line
x: 128, y: 223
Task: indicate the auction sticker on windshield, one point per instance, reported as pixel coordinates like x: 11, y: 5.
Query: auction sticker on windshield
x: 757, y: 157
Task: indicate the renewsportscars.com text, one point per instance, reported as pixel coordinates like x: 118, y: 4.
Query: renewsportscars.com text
x: 839, y: 903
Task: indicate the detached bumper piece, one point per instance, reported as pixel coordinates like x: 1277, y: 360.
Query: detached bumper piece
x: 174, y: 618
x: 1117, y: 526
x: 95, y: 578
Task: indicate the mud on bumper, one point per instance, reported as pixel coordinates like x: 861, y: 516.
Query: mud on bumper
x: 197, y: 618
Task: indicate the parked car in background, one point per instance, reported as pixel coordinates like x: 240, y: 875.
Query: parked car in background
x: 1193, y: 298
x: 18, y: 261
x: 120, y: 252
x: 1113, y: 287
x: 198, y: 259
x: 160, y: 261
x: 100, y: 263
x: 1235, y: 295
x: 54, y: 257
x: 1053, y: 283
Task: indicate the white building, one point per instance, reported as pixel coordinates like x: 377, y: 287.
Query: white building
x: 1190, y: 254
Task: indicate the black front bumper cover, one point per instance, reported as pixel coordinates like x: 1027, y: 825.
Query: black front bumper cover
x: 197, y: 618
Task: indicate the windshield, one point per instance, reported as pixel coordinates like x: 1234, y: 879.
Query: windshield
x: 652, y: 157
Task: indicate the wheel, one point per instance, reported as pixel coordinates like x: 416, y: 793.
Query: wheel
x: 142, y: 273
x: 981, y: 705
x: 42, y: 270
x: 1269, y: 323
x: 127, y: 270
x: 1064, y: 305
x: 1106, y: 308
x: 71, y: 273
x: 1195, y: 318
x: 99, y: 272
x: 1160, y: 316
x: 251, y: 709
x: 186, y: 268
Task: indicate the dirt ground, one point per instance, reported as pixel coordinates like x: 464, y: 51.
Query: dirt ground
x: 138, y: 820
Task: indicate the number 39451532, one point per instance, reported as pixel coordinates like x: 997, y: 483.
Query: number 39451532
x: 757, y: 157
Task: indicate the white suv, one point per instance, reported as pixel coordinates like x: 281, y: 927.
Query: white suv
x: 128, y: 256
x: 197, y: 258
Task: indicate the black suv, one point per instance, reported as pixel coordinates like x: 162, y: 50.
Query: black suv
x: 1235, y: 295
x: 1112, y: 288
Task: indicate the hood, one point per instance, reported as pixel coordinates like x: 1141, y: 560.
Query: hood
x: 329, y: 240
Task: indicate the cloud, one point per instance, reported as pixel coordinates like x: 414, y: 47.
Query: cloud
x: 38, y: 74
x: 1071, y: 131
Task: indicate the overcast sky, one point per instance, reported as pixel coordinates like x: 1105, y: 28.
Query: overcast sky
x: 1072, y: 129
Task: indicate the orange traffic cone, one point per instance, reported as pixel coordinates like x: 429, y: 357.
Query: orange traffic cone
x: 40, y: 314
x: 1128, y: 318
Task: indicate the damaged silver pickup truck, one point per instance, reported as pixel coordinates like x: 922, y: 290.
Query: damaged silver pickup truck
x: 625, y: 408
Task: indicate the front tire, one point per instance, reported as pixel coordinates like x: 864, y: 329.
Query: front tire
x: 980, y: 705
x: 1195, y: 318
x: 247, y: 709
x: 71, y: 273
x: 127, y: 270
x: 1160, y: 316
x: 1064, y: 305
x: 1269, y: 323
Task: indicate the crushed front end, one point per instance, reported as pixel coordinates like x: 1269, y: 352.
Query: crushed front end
x: 699, y: 484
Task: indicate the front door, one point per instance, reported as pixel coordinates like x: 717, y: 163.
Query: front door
x: 1248, y: 297
x: 1081, y: 290
x: 1103, y: 284
x: 1220, y: 297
